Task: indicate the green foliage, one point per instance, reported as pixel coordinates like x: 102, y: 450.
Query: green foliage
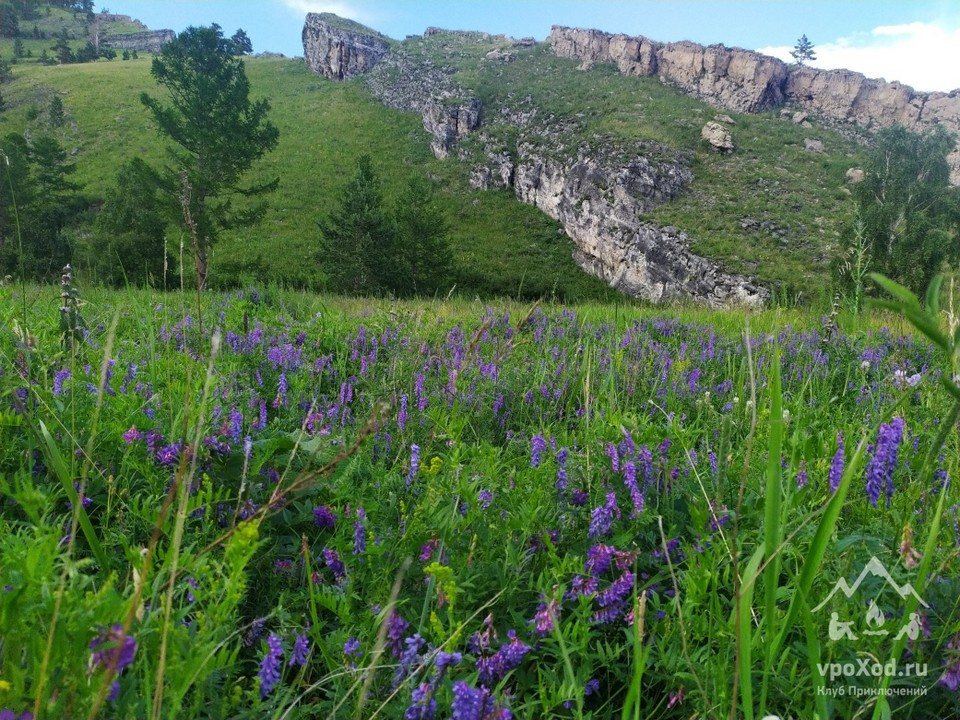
x: 366, y: 249
x: 909, y: 210
x: 803, y: 51
x: 129, y: 239
x: 36, y: 190
x: 423, y: 259
x: 218, y: 132
x: 55, y: 112
x: 358, y: 239
x: 241, y: 43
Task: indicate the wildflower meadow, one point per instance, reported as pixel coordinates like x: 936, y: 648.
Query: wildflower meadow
x: 267, y: 504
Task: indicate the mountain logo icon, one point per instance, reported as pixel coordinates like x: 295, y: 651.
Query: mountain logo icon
x: 875, y: 568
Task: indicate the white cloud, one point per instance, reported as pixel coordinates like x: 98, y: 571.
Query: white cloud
x: 923, y: 55
x: 343, y: 9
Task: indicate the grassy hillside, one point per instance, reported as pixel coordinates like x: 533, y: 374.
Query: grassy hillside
x: 503, y: 247
x: 797, y: 198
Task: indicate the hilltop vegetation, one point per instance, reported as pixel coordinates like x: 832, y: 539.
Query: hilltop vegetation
x: 772, y: 209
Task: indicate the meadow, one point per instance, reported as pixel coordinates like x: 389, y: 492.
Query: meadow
x: 285, y: 505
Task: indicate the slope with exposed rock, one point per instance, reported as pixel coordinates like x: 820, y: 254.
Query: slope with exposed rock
x: 597, y: 187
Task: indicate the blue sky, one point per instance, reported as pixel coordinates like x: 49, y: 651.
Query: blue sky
x: 914, y: 41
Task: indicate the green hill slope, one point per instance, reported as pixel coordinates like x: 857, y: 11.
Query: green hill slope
x: 793, y: 202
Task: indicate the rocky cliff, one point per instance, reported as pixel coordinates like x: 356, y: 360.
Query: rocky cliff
x: 146, y: 41
x: 746, y: 81
x: 340, y: 49
x: 598, y: 190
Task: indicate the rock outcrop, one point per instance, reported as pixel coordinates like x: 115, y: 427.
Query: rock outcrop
x: 599, y: 193
x: 338, y: 53
x: 746, y: 81
x: 598, y: 190
x: 146, y: 41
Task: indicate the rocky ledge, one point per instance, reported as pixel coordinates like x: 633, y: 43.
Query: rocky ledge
x: 746, y: 81
x: 598, y: 190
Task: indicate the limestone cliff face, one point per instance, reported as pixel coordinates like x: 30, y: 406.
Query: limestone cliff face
x: 337, y: 53
x: 598, y: 190
x: 146, y: 41
x: 746, y: 81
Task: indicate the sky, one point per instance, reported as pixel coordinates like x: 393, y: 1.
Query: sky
x: 916, y: 42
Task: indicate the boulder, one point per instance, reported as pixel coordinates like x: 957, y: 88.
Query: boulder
x: 718, y: 136
x: 812, y: 145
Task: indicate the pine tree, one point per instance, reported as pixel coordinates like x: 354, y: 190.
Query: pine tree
x: 357, y: 240
x: 218, y: 131
x: 803, y: 51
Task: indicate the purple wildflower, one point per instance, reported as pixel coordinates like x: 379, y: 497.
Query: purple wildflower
x: 59, y: 378
x: 423, y: 705
x: 324, y: 517
x: 614, y: 456
x: 402, y: 416
x: 414, y: 463
x: 132, y: 435
x: 332, y: 559
x: 602, y: 517
x: 301, y: 648
x: 836, y: 465
x: 951, y: 674
x: 884, y: 460
x: 469, y: 703
x: 538, y: 446
x: 578, y: 498
x: 359, y: 538
x: 592, y: 686
x: 636, y: 496
x: 352, y: 648
x: 545, y: 618
x: 396, y: 627
x: 112, y: 649
x: 270, y: 665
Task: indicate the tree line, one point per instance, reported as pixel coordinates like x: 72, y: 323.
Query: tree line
x: 908, y: 213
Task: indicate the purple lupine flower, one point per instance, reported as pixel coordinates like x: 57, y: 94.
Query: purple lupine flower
x: 409, y: 658
x: 578, y: 498
x: 611, y: 452
x: 602, y: 517
x: 270, y: 665
x: 418, y: 392
x: 545, y: 618
x: 538, y: 446
x: 332, y: 559
x: 630, y: 480
x: 301, y: 648
x: 446, y: 660
x: 132, y: 435
x: 281, y: 398
x: 359, y: 538
x: 59, y: 378
x: 801, y: 478
x: 111, y: 648
x: 236, y: 424
x: 414, y: 463
x: 592, y: 686
x: 423, y: 705
x: 396, y: 627
x: 484, y: 497
x: 951, y: 673
x: 402, y: 416
x: 428, y: 548
x: 352, y: 648
x: 324, y: 516
x: 598, y: 559
x: 612, y: 600
x: 836, y: 465
x: 170, y: 454
x: 884, y: 460
x: 469, y: 703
